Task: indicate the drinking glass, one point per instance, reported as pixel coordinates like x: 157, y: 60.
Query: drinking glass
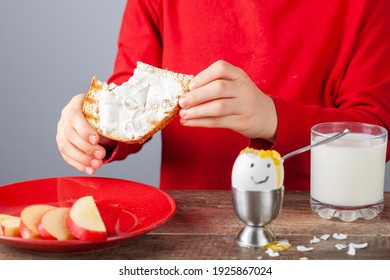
x: 348, y: 174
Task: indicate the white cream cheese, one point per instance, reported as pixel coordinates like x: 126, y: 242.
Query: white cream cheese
x: 133, y: 108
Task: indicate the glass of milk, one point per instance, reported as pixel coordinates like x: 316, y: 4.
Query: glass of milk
x: 348, y: 174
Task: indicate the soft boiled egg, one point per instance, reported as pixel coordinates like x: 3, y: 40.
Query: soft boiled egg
x: 256, y: 170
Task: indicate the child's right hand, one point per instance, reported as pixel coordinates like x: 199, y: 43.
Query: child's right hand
x: 77, y: 141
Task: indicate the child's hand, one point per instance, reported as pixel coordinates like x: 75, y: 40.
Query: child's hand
x: 77, y: 140
x: 224, y: 96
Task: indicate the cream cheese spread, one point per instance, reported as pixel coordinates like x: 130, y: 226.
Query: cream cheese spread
x: 133, y: 108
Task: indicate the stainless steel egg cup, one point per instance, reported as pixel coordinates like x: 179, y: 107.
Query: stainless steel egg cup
x: 256, y: 209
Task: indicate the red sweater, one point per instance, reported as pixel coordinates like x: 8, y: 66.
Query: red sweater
x: 320, y: 61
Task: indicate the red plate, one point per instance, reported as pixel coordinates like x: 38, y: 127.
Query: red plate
x: 128, y: 208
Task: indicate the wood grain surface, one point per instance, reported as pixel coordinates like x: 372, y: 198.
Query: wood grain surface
x: 205, y: 226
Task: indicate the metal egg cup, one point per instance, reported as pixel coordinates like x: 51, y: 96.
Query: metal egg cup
x: 256, y: 209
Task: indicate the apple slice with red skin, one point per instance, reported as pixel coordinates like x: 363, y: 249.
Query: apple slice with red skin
x: 11, y: 227
x: 52, y: 224
x: 85, y: 222
x: 29, y: 218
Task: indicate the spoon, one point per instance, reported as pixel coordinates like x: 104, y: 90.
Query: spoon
x: 327, y: 140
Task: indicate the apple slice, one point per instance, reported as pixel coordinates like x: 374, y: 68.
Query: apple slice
x: 3, y: 217
x: 10, y: 226
x: 52, y: 224
x: 84, y: 220
x: 30, y: 217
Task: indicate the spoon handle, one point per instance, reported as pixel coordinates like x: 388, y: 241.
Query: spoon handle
x: 327, y: 140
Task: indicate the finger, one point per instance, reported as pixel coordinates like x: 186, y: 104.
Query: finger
x: 71, y: 119
x: 82, y: 144
x: 233, y: 122
x: 81, y: 161
x: 215, y: 108
x: 79, y: 166
x: 70, y: 151
x: 84, y: 129
x: 211, y: 122
x: 218, y: 70
x: 215, y: 90
x: 78, y: 121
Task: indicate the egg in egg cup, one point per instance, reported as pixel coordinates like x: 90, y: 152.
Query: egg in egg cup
x: 257, y: 194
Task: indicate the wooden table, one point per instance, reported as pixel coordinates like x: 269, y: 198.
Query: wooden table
x: 204, y: 227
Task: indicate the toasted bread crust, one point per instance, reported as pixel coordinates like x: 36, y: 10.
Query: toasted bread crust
x: 91, y: 104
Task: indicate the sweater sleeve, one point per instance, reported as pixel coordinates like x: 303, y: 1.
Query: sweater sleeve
x: 139, y: 40
x: 360, y: 92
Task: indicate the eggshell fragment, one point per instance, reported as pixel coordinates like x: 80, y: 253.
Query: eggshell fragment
x: 325, y: 236
x: 358, y: 246
x: 315, y: 240
x: 339, y: 236
x: 351, y: 251
x: 302, y: 248
x: 271, y: 253
x: 341, y: 246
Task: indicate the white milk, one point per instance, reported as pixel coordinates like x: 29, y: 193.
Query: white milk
x: 349, y: 171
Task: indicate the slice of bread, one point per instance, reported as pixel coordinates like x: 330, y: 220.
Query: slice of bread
x: 137, y: 109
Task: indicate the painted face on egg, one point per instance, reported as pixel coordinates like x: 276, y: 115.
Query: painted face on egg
x: 257, y: 170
